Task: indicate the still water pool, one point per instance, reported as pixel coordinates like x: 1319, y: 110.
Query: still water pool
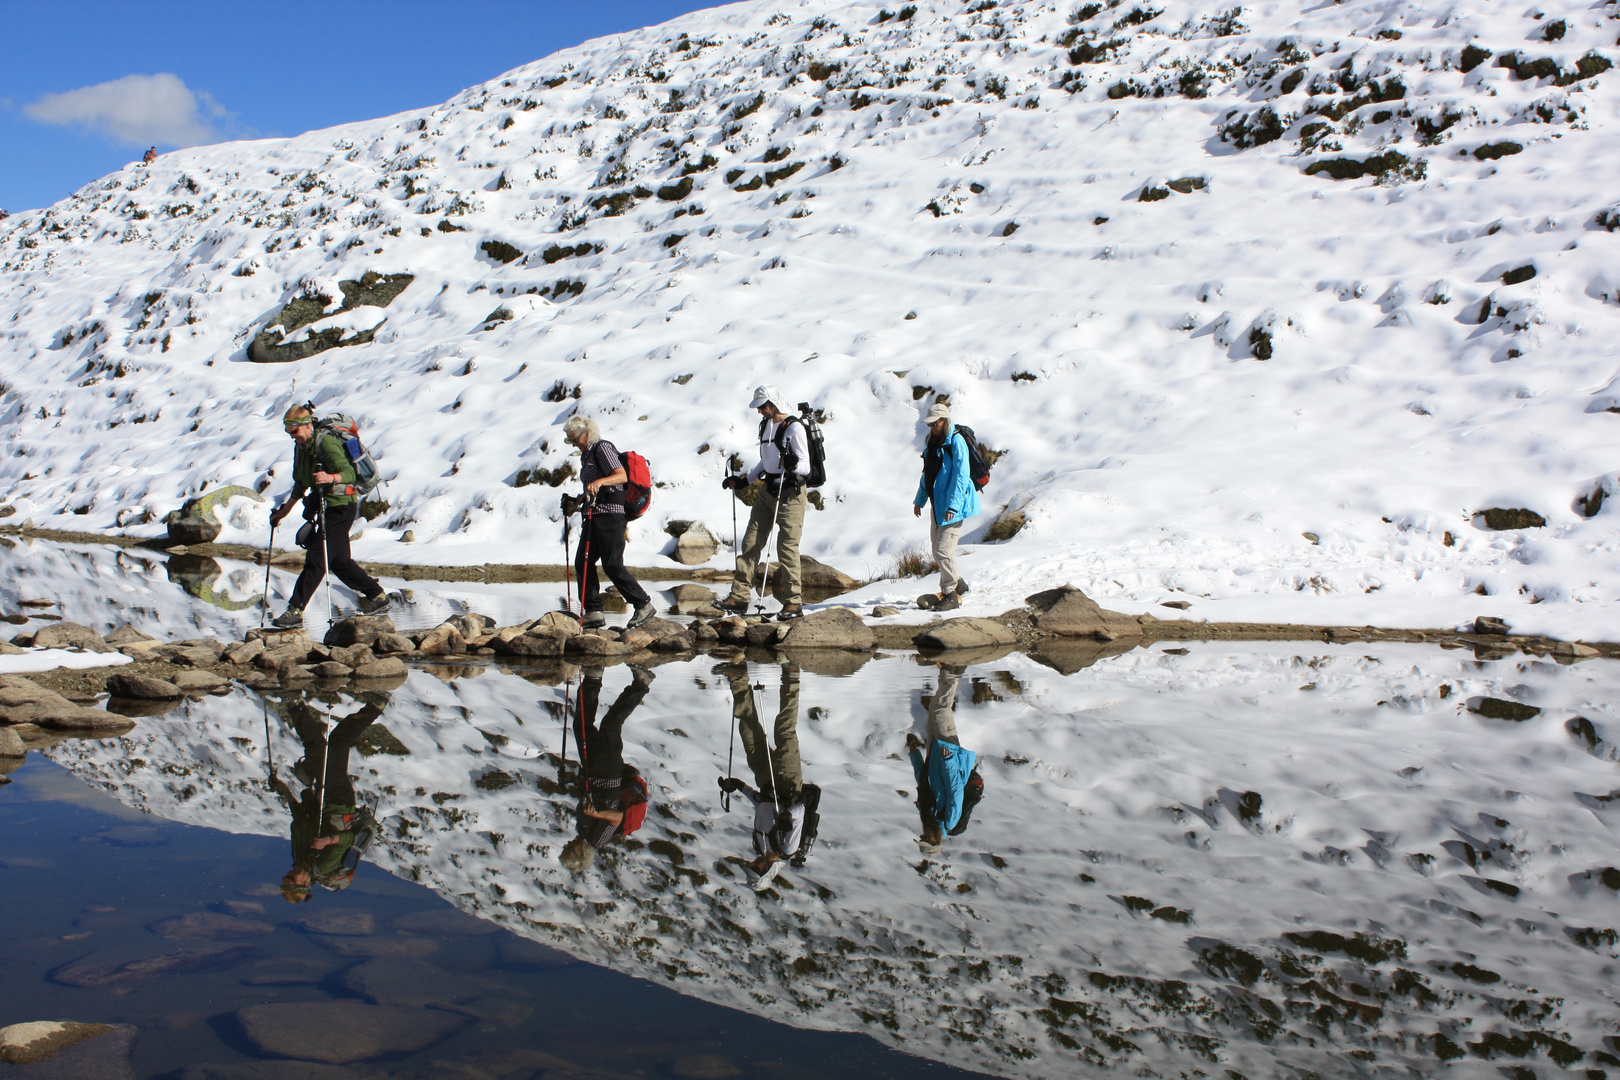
x: 1237, y: 860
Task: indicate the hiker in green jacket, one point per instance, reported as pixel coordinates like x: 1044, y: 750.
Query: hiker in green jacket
x: 326, y: 817
x: 322, y: 471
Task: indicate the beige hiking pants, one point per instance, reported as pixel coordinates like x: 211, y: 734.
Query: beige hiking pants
x: 787, y: 516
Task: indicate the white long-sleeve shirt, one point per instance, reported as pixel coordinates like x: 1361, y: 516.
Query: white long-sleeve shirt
x: 770, y: 458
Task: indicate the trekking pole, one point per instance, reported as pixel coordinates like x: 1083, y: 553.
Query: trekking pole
x: 585, y: 568
x: 326, y: 556
x: 734, y: 501
x: 562, y: 762
x: 731, y: 757
x: 568, y: 570
x: 264, y: 607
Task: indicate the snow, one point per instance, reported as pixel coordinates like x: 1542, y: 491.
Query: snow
x: 1107, y: 344
x: 49, y: 659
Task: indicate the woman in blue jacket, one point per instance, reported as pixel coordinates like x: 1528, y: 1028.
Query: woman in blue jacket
x: 947, y: 483
x: 948, y: 781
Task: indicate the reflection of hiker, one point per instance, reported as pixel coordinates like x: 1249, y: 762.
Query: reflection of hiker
x: 321, y: 467
x: 329, y: 829
x: 782, y: 801
x: 947, y: 484
x: 613, y: 796
x: 603, y: 473
x: 948, y: 782
x: 150, y: 156
x: 784, y: 463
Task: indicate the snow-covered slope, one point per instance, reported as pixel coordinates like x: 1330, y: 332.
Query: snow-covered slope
x: 1274, y: 862
x: 1097, y: 229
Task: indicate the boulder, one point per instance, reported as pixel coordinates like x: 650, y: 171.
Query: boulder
x: 732, y: 630
x: 11, y: 744
x: 389, y: 667
x: 359, y: 630
x: 683, y: 642
x: 141, y: 687
x: 258, y: 680
x: 816, y: 578
x: 443, y: 640
x: 67, y: 1050
x: 1068, y: 612
x: 883, y: 611
x: 189, y: 655
x: 331, y: 669
x: 833, y: 628
x: 539, y: 642
x: 765, y: 633
x: 692, y: 593
x: 661, y: 628
x: 637, y: 638
x: 965, y: 634
x: 197, y: 521
x: 390, y: 644
x: 695, y: 545
x: 593, y: 645
x: 201, y: 682
x: 281, y: 639
x: 339, y: 1032
x: 1502, y: 519
x: 708, y: 611
x: 210, y: 926
x: 126, y: 635
x: 353, y: 655
x: 8, y: 649
x: 1485, y: 624
x: 704, y: 632
x: 399, y: 980
x: 471, y: 626
x: 67, y: 635
x: 243, y: 652
x: 558, y: 620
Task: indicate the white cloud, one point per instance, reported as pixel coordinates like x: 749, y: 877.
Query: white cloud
x: 146, y: 110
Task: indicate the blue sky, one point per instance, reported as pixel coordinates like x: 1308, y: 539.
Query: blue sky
x: 189, y: 72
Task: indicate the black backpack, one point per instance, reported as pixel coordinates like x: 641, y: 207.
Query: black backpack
x: 978, y: 464
x: 970, y: 798
x: 811, y: 798
x: 812, y: 435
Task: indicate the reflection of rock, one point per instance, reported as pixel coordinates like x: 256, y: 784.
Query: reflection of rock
x: 1068, y: 657
x: 833, y: 662
x: 965, y: 634
x: 96, y: 971
x: 338, y: 1032
x: 1068, y: 612
x: 818, y: 580
x: 11, y: 746
x: 200, y: 576
x: 67, y: 1050
x: 834, y: 628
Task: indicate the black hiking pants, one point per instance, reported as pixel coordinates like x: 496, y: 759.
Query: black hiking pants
x: 339, y: 520
x: 602, y: 748
x: 603, y: 538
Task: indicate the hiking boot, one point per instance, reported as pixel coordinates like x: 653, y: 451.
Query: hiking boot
x: 291, y: 619
x: 732, y: 606
x: 642, y: 614
x: 641, y: 675
x: 962, y: 587
x: 790, y: 611
x: 948, y: 603
x: 593, y: 619
x: 371, y: 605
x: 927, y: 600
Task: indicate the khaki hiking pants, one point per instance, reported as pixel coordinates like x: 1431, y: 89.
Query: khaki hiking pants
x: 944, y: 539
x: 777, y: 770
x: 942, y: 710
x: 787, y: 516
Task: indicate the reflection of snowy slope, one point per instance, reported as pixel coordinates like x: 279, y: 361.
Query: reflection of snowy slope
x: 952, y: 201
x: 1261, y: 859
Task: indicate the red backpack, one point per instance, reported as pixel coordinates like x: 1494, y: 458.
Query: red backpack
x: 636, y: 812
x: 637, y: 497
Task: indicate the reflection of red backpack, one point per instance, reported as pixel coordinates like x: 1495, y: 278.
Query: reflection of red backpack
x: 634, y: 812
x: 637, y: 494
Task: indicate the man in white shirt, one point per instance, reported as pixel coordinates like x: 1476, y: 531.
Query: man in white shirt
x: 784, y: 463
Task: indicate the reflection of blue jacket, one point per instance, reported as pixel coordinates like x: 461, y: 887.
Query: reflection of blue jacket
x: 948, y: 768
x: 955, y: 497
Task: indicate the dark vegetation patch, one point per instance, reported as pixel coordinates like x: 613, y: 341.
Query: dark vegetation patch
x: 617, y: 203
x: 1386, y: 167
x: 1514, y: 277
x: 372, y: 290
x: 1546, y: 67
x: 500, y: 251
x: 1501, y: 519
x: 556, y: 253
x: 1499, y: 709
x: 1472, y: 57
x: 1492, y: 151
x: 677, y: 191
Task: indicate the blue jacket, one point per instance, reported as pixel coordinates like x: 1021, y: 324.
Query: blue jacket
x: 954, y: 496
x: 948, y: 768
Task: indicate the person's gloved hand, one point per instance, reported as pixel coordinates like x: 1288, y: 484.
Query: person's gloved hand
x: 912, y: 742
x: 730, y: 784
x: 570, y: 505
x: 731, y: 482
x: 280, y: 513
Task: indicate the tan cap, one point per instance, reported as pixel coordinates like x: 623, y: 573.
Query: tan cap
x: 939, y: 410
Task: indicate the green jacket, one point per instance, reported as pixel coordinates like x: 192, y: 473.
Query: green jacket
x: 333, y: 459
